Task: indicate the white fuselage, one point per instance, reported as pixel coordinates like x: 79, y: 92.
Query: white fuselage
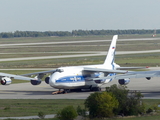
x: 75, y: 78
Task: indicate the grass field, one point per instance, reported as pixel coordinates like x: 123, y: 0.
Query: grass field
x: 27, y: 107
x: 32, y: 107
x: 151, y: 59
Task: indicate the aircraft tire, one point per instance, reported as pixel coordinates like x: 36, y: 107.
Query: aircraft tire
x: 75, y: 90
x: 95, y: 89
x: 66, y: 91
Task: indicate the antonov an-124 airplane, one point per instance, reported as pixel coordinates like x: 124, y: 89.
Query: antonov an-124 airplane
x: 90, y: 77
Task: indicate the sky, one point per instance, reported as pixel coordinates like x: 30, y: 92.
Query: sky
x: 68, y: 15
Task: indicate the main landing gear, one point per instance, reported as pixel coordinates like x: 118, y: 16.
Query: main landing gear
x: 95, y: 88
x: 65, y: 91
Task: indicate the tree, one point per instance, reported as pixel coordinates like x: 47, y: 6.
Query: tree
x: 74, y: 33
x: 121, y: 95
x: 81, y: 112
x: 135, y: 104
x: 101, y: 104
x: 41, y: 115
x: 130, y: 101
x: 67, y: 113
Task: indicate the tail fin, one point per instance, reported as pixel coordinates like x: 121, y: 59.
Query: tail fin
x: 111, y: 52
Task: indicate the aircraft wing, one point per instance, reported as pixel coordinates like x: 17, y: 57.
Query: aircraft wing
x: 141, y: 74
x: 41, y: 72
x: 18, y: 77
x: 103, y: 70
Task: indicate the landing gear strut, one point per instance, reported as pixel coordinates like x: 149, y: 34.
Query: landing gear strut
x: 65, y: 91
x: 57, y: 92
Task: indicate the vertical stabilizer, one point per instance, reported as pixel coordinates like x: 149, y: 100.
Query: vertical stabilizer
x: 111, y: 52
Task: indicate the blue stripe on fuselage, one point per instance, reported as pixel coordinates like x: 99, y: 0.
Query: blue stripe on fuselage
x: 70, y: 79
x: 111, y: 74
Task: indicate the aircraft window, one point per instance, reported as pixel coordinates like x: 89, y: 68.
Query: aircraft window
x: 59, y: 70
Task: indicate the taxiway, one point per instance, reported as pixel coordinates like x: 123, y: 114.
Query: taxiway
x: 149, y: 88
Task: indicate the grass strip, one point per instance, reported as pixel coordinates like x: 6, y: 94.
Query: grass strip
x: 29, y: 107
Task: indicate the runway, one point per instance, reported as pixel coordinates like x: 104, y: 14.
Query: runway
x: 149, y: 88
x: 78, y: 55
x: 67, y: 42
x: 42, y: 91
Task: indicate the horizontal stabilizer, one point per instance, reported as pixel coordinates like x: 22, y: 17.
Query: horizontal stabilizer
x: 127, y: 68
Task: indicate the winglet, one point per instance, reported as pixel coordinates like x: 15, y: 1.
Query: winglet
x: 111, y: 52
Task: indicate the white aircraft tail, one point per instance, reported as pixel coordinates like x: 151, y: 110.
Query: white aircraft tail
x: 111, y: 52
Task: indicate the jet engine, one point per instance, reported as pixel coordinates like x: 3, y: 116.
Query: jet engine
x: 47, y: 80
x: 35, y: 82
x: 6, y: 81
x: 148, y: 78
x: 123, y: 81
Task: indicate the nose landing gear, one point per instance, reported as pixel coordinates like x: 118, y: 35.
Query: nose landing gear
x: 65, y: 91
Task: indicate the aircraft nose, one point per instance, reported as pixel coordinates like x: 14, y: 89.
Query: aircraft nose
x: 52, y: 80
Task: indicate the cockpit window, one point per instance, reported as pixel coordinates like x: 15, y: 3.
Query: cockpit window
x: 59, y: 70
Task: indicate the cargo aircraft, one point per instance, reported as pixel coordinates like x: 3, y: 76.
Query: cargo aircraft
x: 90, y: 77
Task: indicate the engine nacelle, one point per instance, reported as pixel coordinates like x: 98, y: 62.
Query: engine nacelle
x: 47, y: 80
x: 6, y: 81
x: 123, y: 81
x: 148, y: 78
x: 35, y: 82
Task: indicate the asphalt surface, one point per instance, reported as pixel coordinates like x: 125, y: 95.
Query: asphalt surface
x: 27, y: 117
x: 149, y: 88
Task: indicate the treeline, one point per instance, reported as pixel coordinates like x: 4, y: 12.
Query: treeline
x: 73, y: 33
